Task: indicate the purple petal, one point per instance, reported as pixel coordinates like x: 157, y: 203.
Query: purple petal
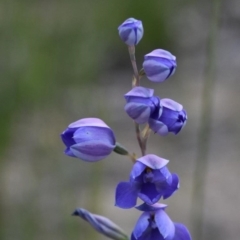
x: 137, y: 170
x: 171, y: 104
x: 152, y: 161
x: 104, y: 135
x: 151, y: 208
x: 69, y: 153
x: 91, y: 151
x: 138, y: 112
x: 67, y: 136
x: 126, y: 195
x: 158, y: 127
x: 155, y: 235
x: 156, y: 71
x: 162, y: 175
x: 133, y: 237
x: 88, y: 122
x: 150, y: 234
x: 181, y: 232
x: 141, y: 225
x: 164, y: 224
x: 140, y: 92
x: 169, y: 117
x: 149, y: 193
x: 176, y: 128
x: 161, y: 53
x: 170, y: 189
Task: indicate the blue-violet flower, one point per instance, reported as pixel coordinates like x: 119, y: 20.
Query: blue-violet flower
x: 131, y: 31
x: 141, y: 104
x: 155, y: 224
x: 150, y: 180
x: 89, y: 139
x: 173, y: 118
x: 159, y: 65
x: 101, y: 224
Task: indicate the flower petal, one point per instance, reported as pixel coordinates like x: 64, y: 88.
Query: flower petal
x: 67, y: 136
x: 150, y: 208
x: 126, y: 195
x: 140, y: 92
x: 93, y: 122
x: 137, y: 170
x: 91, y: 151
x: 141, y: 225
x: 153, y: 161
x: 158, y: 127
x: 181, y: 232
x: 164, y: 224
x: 104, y: 135
x: 170, y: 189
x: 138, y: 112
x: 161, y: 53
x: 149, y: 193
x: 69, y: 153
x: 162, y: 175
x: 171, y: 104
x: 156, y: 71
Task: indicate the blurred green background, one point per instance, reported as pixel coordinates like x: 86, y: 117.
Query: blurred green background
x: 63, y: 60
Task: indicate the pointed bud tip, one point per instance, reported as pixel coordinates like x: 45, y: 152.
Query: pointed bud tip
x: 75, y: 213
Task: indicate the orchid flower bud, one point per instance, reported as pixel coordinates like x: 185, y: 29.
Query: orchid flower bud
x: 89, y: 139
x: 131, y: 31
x: 101, y: 224
x: 141, y: 104
x: 172, y: 119
x: 159, y: 65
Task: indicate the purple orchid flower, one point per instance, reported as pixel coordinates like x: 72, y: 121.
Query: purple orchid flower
x: 150, y: 180
x: 155, y: 224
x: 89, y: 139
x: 173, y: 118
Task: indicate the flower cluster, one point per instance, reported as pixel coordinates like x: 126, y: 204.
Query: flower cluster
x: 91, y: 140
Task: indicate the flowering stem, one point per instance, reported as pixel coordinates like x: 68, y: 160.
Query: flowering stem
x: 145, y: 135
x: 138, y: 134
x: 136, y: 82
x: 131, y: 50
x: 200, y: 173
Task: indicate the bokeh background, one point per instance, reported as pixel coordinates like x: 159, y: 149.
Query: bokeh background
x: 63, y: 60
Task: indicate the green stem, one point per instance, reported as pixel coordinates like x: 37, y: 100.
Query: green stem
x: 200, y: 173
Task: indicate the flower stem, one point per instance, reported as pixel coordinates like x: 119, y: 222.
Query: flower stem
x: 136, y: 82
x: 145, y: 135
x: 131, y: 50
x: 138, y: 134
x: 200, y: 173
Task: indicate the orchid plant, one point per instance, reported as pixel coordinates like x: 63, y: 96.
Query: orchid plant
x: 91, y: 140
